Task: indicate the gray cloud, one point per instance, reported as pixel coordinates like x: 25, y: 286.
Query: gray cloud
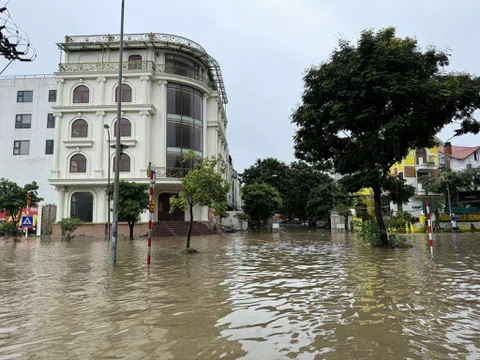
x: 263, y: 47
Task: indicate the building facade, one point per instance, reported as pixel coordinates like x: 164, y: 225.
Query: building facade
x: 418, y: 163
x: 173, y: 101
x: 27, y: 131
x: 459, y: 158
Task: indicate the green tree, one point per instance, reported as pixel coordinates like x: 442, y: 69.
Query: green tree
x: 449, y: 183
x: 13, y: 198
x: 400, y: 191
x: 302, y: 179
x: 133, y: 200
x: 260, y: 201
x: 362, y: 110
x: 202, y: 186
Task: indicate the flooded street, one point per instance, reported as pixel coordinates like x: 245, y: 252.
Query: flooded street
x: 294, y: 296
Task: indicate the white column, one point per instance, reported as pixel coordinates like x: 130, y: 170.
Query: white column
x: 100, y: 98
x: 39, y: 220
x: 102, y: 206
x: 56, y: 143
x: 143, y: 157
x: 160, y: 148
x: 145, y: 95
x: 60, y: 202
x: 60, y: 86
x: 100, y: 143
x: 205, y: 115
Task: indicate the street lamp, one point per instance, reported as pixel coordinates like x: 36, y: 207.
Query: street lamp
x: 107, y: 127
x: 113, y: 247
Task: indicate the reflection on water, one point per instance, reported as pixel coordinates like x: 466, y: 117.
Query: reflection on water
x: 299, y: 296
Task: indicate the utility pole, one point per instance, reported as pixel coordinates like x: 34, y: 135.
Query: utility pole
x: 113, y: 248
x: 108, y: 184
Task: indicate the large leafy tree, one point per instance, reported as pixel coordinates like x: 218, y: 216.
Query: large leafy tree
x: 270, y: 171
x: 133, y: 200
x: 400, y: 191
x: 260, y: 201
x: 205, y: 185
x: 364, y: 108
x: 13, y: 198
x: 302, y: 178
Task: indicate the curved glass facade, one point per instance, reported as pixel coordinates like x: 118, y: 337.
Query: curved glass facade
x: 184, y: 123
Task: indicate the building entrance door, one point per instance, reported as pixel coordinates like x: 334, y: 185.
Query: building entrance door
x: 164, y: 209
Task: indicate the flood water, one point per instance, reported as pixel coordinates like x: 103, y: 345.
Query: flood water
x: 289, y: 296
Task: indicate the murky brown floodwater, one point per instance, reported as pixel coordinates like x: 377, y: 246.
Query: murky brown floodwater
x: 295, y: 296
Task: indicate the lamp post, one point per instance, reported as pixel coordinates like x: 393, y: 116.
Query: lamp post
x: 107, y: 127
x: 113, y: 247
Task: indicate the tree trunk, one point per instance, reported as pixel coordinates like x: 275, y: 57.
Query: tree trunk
x: 190, y: 228
x: 131, y: 225
x: 399, y: 207
x: 377, y: 195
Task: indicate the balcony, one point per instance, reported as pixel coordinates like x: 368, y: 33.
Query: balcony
x: 426, y: 166
x: 137, y: 66
x: 165, y: 172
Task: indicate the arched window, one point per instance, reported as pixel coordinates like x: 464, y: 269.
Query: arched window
x: 81, y: 206
x: 81, y: 94
x: 79, y: 129
x: 125, y: 128
x: 126, y: 93
x: 134, y: 62
x: 78, y: 164
x: 124, y: 163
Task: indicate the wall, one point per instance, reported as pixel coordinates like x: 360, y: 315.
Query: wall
x: 35, y: 166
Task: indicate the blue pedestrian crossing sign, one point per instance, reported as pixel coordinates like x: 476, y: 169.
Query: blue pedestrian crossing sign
x: 27, y: 221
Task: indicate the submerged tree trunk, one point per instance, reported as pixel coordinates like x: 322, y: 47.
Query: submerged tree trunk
x: 190, y: 228
x: 131, y: 225
x: 377, y: 195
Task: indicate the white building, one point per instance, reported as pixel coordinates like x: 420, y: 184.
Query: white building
x: 173, y: 102
x: 27, y: 131
x: 459, y: 158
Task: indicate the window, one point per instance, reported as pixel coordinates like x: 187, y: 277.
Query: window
x: 184, y: 123
x: 134, y: 62
x: 25, y: 96
x: 124, y: 163
x: 475, y: 156
x: 126, y: 93
x: 81, y: 94
x: 125, y: 128
x: 23, y: 121
x: 50, y: 121
x: 79, y: 129
x: 78, y: 164
x: 21, y: 147
x: 81, y: 206
x: 49, y: 147
x: 52, y: 95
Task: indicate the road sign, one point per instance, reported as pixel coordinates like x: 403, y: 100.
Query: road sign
x: 27, y: 221
x: 152, y: 205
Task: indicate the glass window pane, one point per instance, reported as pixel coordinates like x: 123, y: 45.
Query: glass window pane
x: 187, y: 136
x: 81, y: 206
x: 198, y: 142
x: 174, y: 160
x: 171, y: 100
x: 174, y: 134
x: 197, y: 114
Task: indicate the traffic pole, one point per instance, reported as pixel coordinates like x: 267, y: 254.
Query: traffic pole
x: 151, y: 210
x: 429, y: 221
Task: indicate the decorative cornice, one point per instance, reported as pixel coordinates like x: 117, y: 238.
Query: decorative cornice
x: 100, y: 113
x: 57, y: 114
x: 144, y: 113
x: 101, y: 79
x: 60, y: 81
x: 145, y: 78
x: 162, y: 82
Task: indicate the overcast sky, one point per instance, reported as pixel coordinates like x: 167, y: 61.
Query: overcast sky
x: 263, y: 47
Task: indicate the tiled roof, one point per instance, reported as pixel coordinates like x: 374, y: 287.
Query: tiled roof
x: 460, y: 152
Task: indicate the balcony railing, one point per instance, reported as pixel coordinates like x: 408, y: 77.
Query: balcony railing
x: 177, y: 173
x: 174, y: 69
